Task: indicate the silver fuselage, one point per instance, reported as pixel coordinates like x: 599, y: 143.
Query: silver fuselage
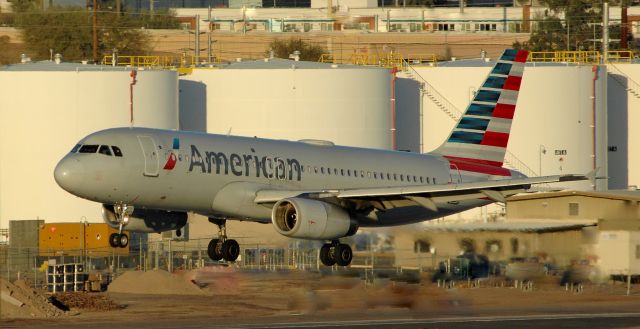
x: 217, y: 175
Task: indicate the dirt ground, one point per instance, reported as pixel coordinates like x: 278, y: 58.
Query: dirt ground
x: 234, y: 297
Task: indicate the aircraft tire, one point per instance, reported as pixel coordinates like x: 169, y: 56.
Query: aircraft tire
x: 213, y: 251
x: 326, y: 257
x: 114, y: 240
x: 343, y: 254
x: 230, y: 250
x: 123, y: 240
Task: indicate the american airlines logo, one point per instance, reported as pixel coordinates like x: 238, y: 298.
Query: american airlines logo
x: 172, y: 158
x: 244, y: 164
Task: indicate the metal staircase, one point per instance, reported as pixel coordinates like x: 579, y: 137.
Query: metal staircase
x: 510, y: 160
x: 629, y: 84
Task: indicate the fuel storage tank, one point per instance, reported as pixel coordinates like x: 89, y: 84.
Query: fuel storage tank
x: 287, y: 99
x: 45, y: 108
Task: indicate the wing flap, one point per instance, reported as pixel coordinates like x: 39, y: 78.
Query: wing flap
x: 425, y: 195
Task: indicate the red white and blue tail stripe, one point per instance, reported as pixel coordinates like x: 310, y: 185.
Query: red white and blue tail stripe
x: 482, y: 133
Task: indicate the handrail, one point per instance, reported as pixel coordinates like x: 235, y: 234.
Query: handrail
x: 157, y: 61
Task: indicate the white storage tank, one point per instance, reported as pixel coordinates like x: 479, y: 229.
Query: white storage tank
x: 552, y: 130
x: 45, y: 108
x: 286, y: 99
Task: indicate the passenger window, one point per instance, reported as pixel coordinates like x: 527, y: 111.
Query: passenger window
x: 421, y: 179
x: 315, y: 169
x: 349, y: 172
x: 434, y: 180
x: 415, y: 180
x: 362, y: 173
x: 428, y: 182
x: 328, y: 171
x: 322, y: 170
x: 381, y: 176
x: 116, y: 151
x: 342, y: 172
x: 401, y: 177
x: 89, y: 149
x: 104, y: 150
x: 75, y: 148
x: 388, y: 176
x: 368, y: 174
x: 375, y: 175
x: 395, y: 176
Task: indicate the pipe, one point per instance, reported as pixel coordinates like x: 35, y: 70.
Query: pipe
x: 394, y: 145
x: 594, y: 69
x: 133, y: 75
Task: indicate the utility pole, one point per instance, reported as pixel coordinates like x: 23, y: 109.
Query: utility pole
x: 95, y: 30
x: 197, y: 34
x: 209, y: 53
x: 605, y: 32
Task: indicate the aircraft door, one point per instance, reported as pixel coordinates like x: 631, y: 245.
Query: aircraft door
x: 150, y: 153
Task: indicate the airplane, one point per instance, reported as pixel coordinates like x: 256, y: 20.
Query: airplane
x: 147, y: 180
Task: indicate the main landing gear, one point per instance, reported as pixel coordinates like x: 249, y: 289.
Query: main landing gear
x: 222, y: 248
x: 120, y: 239
x: 336, y: 253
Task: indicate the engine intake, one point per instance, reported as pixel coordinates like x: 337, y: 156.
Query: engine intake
x: 146, y: 220
x: 311, y: 219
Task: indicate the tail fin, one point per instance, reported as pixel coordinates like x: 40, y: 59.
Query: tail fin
x: 482, y: 133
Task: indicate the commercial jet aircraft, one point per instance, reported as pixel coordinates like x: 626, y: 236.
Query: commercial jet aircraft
x: 148, y: 179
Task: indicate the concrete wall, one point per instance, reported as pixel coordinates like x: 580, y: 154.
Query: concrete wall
x: 43, y: 114
x: 619, y: 252
x: 559, y: 247
x: 558, y: 208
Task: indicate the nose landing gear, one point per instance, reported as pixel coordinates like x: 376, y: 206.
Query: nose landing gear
x: 222, y: 247
x: 120, y: 239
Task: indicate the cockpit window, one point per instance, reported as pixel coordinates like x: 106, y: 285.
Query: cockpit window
x: 89, y: 149
x: 75, y: 148
x: 116, y: 151
x: 104, y: 149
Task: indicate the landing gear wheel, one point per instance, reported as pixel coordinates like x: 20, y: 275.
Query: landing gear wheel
x: 327, y: 257
x: 123, y: 240
x: 114, y: 240
x: 214, y: 251
x: 343, y: 254
x: 230, y: 250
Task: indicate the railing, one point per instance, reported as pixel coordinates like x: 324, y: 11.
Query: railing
x: 389, y: 60
x: 422, y: 59
x: 158, y: 61
x: 580, y: 57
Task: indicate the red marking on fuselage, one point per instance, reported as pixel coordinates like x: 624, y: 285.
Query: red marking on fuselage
x: 171, y: 162
x: 478, y: 167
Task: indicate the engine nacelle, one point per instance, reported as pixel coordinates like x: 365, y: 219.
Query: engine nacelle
x: 146, y: 220
x: 311, y: 219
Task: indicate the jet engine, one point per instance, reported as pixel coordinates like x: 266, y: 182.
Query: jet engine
x: 311, y: 219
x: 146, y: 220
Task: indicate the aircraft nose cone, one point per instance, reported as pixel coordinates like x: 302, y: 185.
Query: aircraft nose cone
x: 69, y: 174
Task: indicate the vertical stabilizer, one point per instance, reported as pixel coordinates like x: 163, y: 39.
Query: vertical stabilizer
x: 482, y: 133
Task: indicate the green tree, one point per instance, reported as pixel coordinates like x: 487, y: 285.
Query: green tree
x: 69, y: 31
x: 283, y: 48
x: 568, y: 25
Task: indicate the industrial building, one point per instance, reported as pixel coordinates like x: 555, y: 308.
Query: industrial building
x: 601, y: 229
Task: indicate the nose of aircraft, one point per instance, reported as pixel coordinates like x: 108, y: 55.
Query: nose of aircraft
x: 69, y: 174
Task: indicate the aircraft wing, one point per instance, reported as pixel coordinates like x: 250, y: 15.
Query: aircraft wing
x: 425, y: 195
